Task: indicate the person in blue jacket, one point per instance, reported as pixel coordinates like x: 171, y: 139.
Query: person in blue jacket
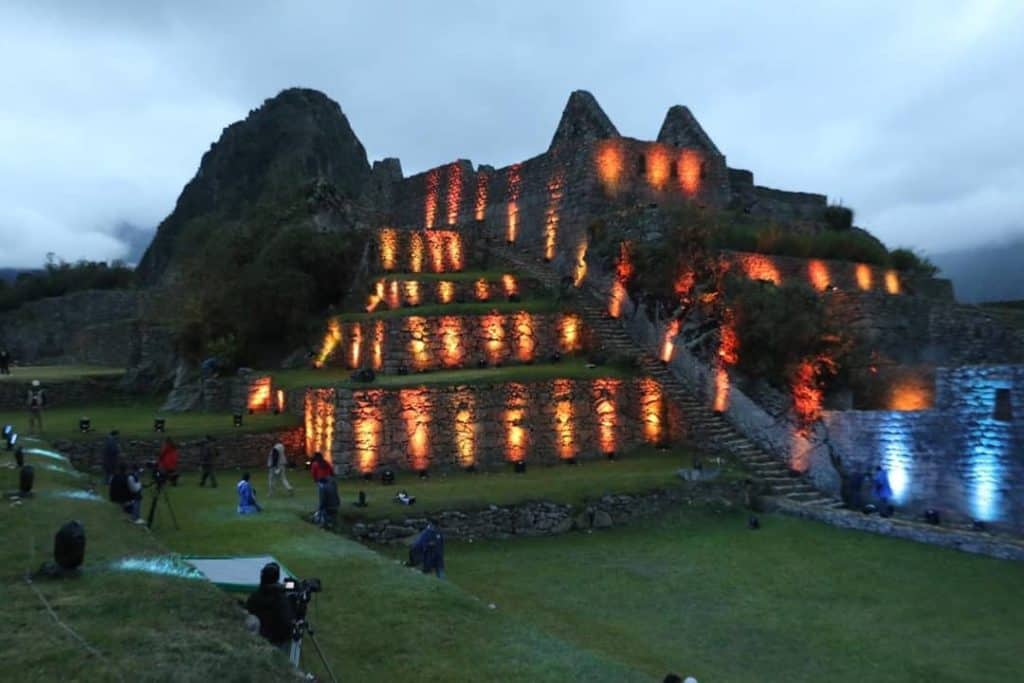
x: 881, y: 488
x: 428, y: 550
x: 247, y: 504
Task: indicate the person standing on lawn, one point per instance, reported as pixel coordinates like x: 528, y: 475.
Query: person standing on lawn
x: 207, y: 457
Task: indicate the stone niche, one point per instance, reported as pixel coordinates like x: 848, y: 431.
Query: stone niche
x: 482, y: 425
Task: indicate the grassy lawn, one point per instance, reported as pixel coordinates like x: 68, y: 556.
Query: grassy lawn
x: 570, y: 368
x: 51, y: 374
x: 146, y: 627
x: 497, y: 305
x: 136, y: 421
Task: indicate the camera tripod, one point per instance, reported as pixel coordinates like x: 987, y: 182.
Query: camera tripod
x: 300, y: 628
x: 158, y: 493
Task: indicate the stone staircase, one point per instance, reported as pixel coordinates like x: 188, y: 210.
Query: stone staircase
x: 706, y: 427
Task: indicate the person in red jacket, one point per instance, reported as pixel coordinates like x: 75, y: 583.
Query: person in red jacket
x: 167, y: 463
x: 320, y: 467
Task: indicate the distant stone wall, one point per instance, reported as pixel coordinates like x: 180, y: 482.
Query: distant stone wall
x: 485, y: 425
x: 242, y: 451
x: 420, y: 343
x: 86, y: 391
x: 391, y: 293
x: 777, y: 204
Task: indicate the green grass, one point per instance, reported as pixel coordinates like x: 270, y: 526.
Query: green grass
x: 136, y: 421
x: 571, y: 368
x: 53, y: 374
x: 544, y: 305
x: 149, y: 628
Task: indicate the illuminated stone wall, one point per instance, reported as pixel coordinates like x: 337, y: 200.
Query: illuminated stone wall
x: 964, y: 457
x: 483, y: 425
x: 421, y: 343
x: 391, y: 293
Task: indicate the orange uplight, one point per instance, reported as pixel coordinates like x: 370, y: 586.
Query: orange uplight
x: 259, y: 395
x: 416, y: 414
x: 493, y: 328
x: 355, y: 345
x: 512, y: 191
x: 516, y: 434
x: 658, y: 166
x: 892, y: 282
x: 684, y: 283
x: 452, y: 352
x: 388, y: 248
x: 605, y: 400
x: 319, y: 419
x: 331, y: 341
x: 817, y: 272
x: 565, y: 440
x: 430, y: 207
x: 758, y: 267
x: 416, y: 252
x: 378, y: 295
x: 522, y: 325
x: 668, y: 345
x: 689, y: 171
x: 579, y: 271
x: 609, y: 161
x: 482, y: 290
x: 911, y: 396
x: 453, y: 246
x: 419, y: 338
x: 616, y: 299
x: 445, y: 291
x: 651, y: 410
x: 378, y: 344
x: 508, y: 282
x: 721, y: 403
x: 454, y: 197
x: 412, y: 292
x: 865, y: 277
x: 480, y: 207
x: 807, y: 395
x: 569, y: 332
x: 624, y: 269
x: 367, y: 428
x: 435, y: 243
x: 465, y: 429
x: 392, y: 298
x: 551, y: 216
x: 280, y: 400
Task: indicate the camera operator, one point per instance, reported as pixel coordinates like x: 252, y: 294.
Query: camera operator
x: 168, y: 461
x: 271, y: 605
x: 126, y: 490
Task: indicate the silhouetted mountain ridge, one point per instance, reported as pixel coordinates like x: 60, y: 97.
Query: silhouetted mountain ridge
x: 990, y: 272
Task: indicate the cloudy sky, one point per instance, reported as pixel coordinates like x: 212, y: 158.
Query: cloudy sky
x: 909, y: 112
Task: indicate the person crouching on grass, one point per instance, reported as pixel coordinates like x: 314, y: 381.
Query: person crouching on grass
x: 247, y: 504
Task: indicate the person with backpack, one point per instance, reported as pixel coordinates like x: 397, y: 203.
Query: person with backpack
x: 126, y: 491
x: 276, y: 464
x: 36, y: 402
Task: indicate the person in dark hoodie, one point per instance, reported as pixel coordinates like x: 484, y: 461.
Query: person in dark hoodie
x: 111, y: 455
x: 428, y: 550
x: 272, y: 607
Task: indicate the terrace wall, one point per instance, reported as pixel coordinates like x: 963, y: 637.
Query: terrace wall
x: 487, y: 424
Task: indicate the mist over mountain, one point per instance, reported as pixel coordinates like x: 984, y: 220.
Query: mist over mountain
x: 991, y: 272
x: 135, y: 239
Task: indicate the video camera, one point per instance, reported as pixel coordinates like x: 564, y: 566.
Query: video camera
x: 300, y: 593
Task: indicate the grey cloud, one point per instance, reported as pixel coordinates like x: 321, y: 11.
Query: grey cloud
x: 904, y: 112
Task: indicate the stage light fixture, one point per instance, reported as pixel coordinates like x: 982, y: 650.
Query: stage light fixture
x: 611, y: 455
x: 519, y: 466
x: 931, y: 515
x: 237, y: 419
x: 69, y: 546
x: 978, y: 525
x: 26, y: 478
x: 423, y: 473
x: 471, y: 468
x: 159, y: 424
x: 570, y: 461
x: 12, y: 439
x: 84, y: 425
x: 387, y: 477
x: 403, y: 370
x: 481, y: 363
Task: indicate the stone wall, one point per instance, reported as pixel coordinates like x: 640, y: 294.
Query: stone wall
x: 240, y: 451
x: 420, y: 343
x: 964, y: 457
x: 392, y: 293
x: 484, y: 425
x: 86, y: 391
x: 544, y: 518
x: 777, y: 204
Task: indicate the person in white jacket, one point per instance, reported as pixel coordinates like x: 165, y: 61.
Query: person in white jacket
x: 276, y: 465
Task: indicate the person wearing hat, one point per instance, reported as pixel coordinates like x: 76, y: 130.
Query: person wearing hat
x: 36, y: 401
